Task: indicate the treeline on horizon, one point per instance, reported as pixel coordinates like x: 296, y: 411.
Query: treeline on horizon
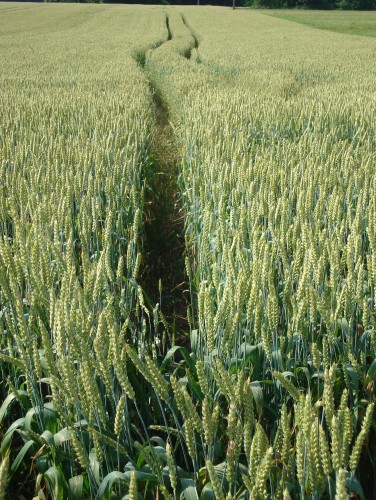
x: 263, y: 4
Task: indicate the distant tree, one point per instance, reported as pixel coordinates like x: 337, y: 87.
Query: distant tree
x: 356, y: 4
x: 73, y: 1
x: 266, y: 4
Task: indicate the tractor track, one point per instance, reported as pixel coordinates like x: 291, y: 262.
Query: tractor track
x: 163, y: 276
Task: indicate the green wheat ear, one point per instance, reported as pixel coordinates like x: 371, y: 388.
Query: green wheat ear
x: 133, y: 486
x: 366, y: 425
x: 4, y: 466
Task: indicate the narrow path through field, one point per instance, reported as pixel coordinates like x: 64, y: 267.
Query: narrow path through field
x: 193, y: 34
x: 164, y: 226
x: 164, y: 246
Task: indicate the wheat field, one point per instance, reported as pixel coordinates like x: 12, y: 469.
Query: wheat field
x: 266, y: 389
